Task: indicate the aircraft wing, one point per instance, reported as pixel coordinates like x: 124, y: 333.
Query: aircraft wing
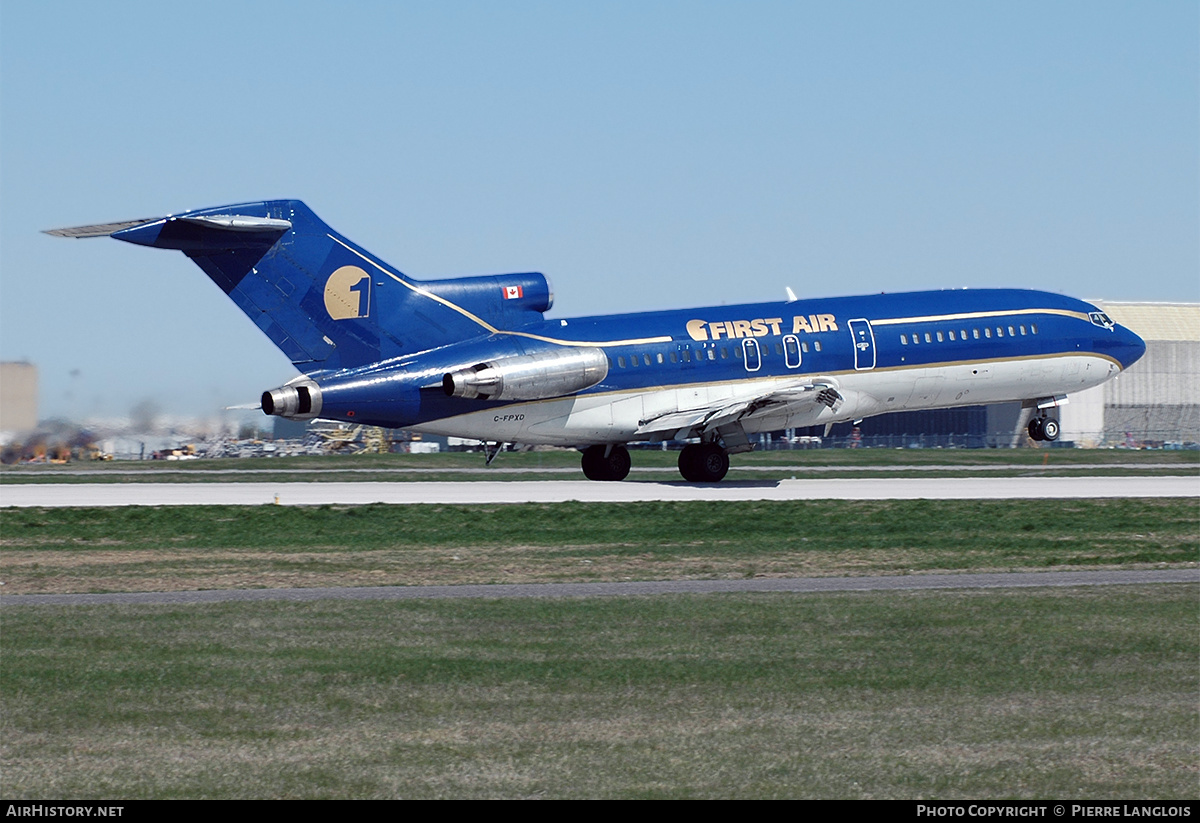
x: 789, y: 400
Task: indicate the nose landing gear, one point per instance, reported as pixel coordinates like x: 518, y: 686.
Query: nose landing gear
x: 1043, y: 428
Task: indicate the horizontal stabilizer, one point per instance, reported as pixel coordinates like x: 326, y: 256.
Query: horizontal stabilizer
x: 99, y: 229
x: 220, y: 222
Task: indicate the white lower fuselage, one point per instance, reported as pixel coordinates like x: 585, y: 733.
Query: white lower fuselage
x: 615, y: 417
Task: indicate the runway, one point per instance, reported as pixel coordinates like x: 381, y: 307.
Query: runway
x: 558, y: 491
x: 794, y: 585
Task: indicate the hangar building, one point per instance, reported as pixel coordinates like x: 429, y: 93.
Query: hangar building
x: 1157, y: 401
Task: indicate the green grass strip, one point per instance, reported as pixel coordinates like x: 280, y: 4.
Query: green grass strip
x: 197, y: 547
x: 1084, y: 693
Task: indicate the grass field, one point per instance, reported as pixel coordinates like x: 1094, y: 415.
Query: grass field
x: 1076, y: 693
x: 199, y: 547
x: 1087, y: 693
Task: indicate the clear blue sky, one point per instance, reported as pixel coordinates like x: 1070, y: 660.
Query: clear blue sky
x: 643, y: 155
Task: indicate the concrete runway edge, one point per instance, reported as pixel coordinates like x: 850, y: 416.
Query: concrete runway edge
x: 559, y: 491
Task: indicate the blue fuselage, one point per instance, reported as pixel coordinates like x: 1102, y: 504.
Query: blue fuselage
x: 867, y: 335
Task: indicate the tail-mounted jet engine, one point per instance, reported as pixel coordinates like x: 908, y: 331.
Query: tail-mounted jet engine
x: 298, y: 400
x: 539, y: 376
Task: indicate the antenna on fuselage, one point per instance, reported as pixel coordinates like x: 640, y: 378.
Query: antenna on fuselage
x: 791, y: 295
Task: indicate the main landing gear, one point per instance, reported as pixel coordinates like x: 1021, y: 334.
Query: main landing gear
x: 698, y: 462
x: 606, y: 462
x: 1043, y: 428
x: 703, y: 463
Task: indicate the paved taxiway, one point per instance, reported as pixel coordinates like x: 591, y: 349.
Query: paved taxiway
x: 804, y: 585
x: 138, y: 468
x: 558, y: 491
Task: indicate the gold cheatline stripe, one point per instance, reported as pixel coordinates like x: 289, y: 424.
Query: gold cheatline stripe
x: 581, y: 343
x: 896, y: 321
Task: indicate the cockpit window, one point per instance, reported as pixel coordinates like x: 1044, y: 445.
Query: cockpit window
x: 1099, y: 318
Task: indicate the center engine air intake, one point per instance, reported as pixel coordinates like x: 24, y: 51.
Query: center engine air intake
x: 539, y: 376
x: 300, y: 400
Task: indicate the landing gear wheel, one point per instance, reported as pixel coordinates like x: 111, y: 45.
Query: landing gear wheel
x: 593, y: 460
x: 704, y: 463
x: 1035, y: 428
x: 613, y: 467
x: 1050, y: 429
x: 689, y: 463
x: 714, y: 463
x: 617, y: 463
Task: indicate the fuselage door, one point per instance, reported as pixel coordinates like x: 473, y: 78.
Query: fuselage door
x: 791, y: 351
x: 751, y: 358
x: 864, y: 344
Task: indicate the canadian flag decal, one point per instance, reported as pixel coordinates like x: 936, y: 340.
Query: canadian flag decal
x: 513, y: 292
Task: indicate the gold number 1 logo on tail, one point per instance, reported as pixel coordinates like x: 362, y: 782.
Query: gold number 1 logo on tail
x: 348, y: 293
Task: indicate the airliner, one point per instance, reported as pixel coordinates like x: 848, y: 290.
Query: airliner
x: 475, y: 357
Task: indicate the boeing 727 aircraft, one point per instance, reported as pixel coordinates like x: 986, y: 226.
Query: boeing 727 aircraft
x: 475, y: 357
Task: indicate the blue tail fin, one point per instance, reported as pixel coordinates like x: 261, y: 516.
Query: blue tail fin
x: 325, y: 302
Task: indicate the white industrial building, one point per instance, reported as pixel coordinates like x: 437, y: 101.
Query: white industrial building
x: 18, y: 396
x: 1157, y: 401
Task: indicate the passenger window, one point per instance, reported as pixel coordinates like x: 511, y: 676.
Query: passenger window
x: 1033, y: 328
x: 1022, y: 329
x: 816, y: 345
x: 659, y: 357
x: 940, y: 338
x: 975, y: 332
x: 674, y: 357
x: 803, y: 346
x: 633, y: 361
x: 928, y: 337
x: 999, y: 331
x: 1011, y: 333
x: 712, y: 355
x: 621, y: 362
x: 904, y: 340
x: 724, y: 353
x: 987, y: 333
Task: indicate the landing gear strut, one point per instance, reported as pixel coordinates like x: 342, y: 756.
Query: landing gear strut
x: 611, y: 466
x: 703, y: 463
x: 1043, y: 428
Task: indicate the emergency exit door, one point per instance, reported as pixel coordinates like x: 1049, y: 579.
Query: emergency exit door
x: 864, y: 344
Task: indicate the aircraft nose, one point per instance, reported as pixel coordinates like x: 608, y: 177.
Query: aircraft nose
x: 1129, y: 348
